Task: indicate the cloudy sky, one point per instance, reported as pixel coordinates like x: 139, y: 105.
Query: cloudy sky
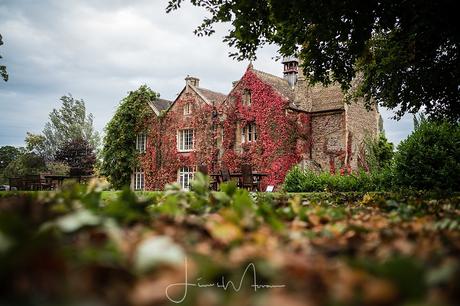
x: 98, y: 50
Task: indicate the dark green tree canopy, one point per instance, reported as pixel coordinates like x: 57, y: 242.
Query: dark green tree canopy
x: 25, y: 164
x: 430, y: 157
x: 119, y: 152
x: 403, y: 54
x: 7, y: 155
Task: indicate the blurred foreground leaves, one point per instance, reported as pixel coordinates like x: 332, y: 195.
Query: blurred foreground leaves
x: 76, y: 247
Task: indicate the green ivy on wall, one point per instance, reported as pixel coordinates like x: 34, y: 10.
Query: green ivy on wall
x: 119, y: 153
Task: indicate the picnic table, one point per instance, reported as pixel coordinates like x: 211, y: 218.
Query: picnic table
x: 59, y: 179
x: 238, y: 176
x: 257, y: 175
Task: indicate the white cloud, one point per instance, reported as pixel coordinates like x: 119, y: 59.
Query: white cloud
x: 100, y: 50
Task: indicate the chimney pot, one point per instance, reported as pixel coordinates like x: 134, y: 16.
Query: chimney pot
x: 192, y: 81
x: 290, y: 71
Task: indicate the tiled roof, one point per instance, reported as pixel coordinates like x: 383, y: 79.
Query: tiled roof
x: 326, y: 98
x: 279, y: 84
x: 212, y: 96
x: 322, y: 98
x: 161, y: 104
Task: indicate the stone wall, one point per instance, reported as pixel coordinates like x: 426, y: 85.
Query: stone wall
x: 360, y: 124
x: 328, y: 144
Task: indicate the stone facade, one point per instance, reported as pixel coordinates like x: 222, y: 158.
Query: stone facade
x: 270, y: 122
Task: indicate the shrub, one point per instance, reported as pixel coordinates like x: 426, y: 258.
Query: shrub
x: 298, y: 180
x: 430, y: 157
x: 379, y: 152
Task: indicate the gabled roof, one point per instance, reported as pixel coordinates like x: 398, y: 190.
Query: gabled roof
x: 162, y: 104
x: 211, y: 96
x: 277, y: 83
x: 322, y: 98
x: 159, y: 105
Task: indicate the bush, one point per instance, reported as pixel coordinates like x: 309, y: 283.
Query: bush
x: 379, y: 152
x: 430, y: 157
x: 298, y: 180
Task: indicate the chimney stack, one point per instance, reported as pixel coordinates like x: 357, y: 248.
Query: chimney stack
x: 291, y: 66
x: 192, y: 81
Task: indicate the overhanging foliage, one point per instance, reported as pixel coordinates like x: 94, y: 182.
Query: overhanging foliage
x: 403, y: 54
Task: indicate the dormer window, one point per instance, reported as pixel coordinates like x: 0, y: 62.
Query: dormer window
x: 187, y: 109
x: 141, y: 142
x: 249, y: 133
x: 246, y: 97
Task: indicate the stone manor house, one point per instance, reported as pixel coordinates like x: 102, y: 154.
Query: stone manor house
x: 270, y: 122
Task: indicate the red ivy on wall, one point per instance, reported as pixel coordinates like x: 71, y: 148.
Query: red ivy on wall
x: 162, y: 159
x: 283, y: 136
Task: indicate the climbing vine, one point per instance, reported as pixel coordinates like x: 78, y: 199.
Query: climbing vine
x: 162, y: 159
x: 283, y: 137
x: 119, y: 153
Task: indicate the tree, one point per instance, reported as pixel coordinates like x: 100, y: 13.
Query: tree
x: 25, y: 164
x: 3, y: 72
x: 7, y: 155
x: 67, y: 123
x: 37, y: 144
x: 119, y: 152
x: 379, y: 152
x: 403, y: 54
x: 57, y: 168
x: 79, y: 155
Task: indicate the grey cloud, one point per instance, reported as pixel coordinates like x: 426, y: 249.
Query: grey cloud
x: 100, y: 50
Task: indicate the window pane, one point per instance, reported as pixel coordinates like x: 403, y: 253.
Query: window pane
x: 186, y: 140
x: 185, y: 177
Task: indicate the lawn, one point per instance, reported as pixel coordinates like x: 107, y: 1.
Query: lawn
x: 86, y: 246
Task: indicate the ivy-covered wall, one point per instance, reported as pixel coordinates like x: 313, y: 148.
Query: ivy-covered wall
x: 162, y: 159
x: 285, y: 135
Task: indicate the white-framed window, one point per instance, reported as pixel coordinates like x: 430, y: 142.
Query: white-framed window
x: 139, y: 179
x: 249, y: 133
x: 185, y: 176
x: 187, y: 108
x: 185, y: 140
x: 141, y: 142
x: 247, y: 97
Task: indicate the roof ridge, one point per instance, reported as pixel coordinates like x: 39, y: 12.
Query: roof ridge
x: 158, y: 99
x: 199, y: 88
x: 271, y: 75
